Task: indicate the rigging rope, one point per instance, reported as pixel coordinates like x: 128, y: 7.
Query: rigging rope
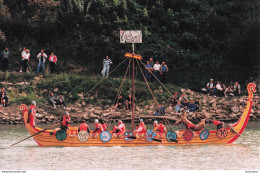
x: 168, y: 125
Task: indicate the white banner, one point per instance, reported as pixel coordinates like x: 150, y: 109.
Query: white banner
x: 130, y: 36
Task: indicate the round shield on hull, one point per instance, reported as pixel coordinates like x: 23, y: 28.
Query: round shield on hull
x: 105, y: 136
x: 171, y: 135
x: 61, y: 135
x: 222, y: 133
x: 83, y: 136
x: 204, y: 134
x: 127, y: 134
x: 150, y: 134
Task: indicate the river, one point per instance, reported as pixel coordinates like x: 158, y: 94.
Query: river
x: 243, y: 154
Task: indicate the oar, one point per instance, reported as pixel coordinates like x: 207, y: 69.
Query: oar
x: 173, y: 140
x: 36, y: 133
x: 134, y: 137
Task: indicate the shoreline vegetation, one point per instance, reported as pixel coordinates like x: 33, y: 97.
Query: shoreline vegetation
x: 99, y: 103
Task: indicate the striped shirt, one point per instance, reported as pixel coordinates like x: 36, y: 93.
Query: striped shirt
x: 107, y: 62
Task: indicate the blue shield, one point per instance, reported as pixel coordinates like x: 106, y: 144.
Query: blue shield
x: 204, y: 134
x: 127, y: 134
x: 61, y: 135
x: 150, y: 134
x: 171, y: 135
x: 105, y: 136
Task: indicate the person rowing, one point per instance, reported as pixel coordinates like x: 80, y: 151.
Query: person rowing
x: 84, y: 127
x: 160, y: 128
x: 221, y: 125
x: 103, y: 124
x: 156, y: 126
x: 120, y: 129
x: 189, y: 125
x: 141, y: 130
x: 65, y: 121
x: 98, y: 128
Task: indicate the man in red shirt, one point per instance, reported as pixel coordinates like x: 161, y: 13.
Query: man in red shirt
x: 65, y: 121
x: 98, y: 128
x: 84, y: 126
x: 31, y: 115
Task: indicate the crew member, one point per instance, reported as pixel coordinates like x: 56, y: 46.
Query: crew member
x: 98, y: 128
x: 121, y: 127
x: 84, y: 126
x: 221, y: 124
x: 31, y: 116
x: 156, y: 125
x: 65, y: 121
x: 141, y: 128
x: 104, y: 125
x: 162, y: 128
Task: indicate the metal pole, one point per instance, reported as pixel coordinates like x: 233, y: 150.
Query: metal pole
x: 133, y: 89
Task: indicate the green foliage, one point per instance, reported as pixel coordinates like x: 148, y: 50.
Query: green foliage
x: 197, y: 39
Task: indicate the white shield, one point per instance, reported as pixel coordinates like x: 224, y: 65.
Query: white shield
x: 83, y: 136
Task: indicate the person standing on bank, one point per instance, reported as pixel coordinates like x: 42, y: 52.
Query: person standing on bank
x: 5, y: 55
x: 163, y: 71
x: 53, y: 60
x: 42, y: 58
x: 106, y: 64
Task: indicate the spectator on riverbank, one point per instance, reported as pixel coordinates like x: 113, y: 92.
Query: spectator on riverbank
x: 148, y: 71
x: 151, y: 62
x: 211, y: 87
x: 52, y: 100
x: 160, y: 111
x: 4, y: 98
x: 163, y: 71
x: 42, y: 58
x: 156, y: 68
x: 25, y: 60
x: 229, y: 92
x: 197, y: 103
x: 5, y: 56
x: 178, y: 107
x: 128, y: 102
x: 53, y: 60
x: 60, y: 101
x: 119, y: 102
x: 22, y: 56
x: 106, y: 65
x: 182, y: 98
x: 185, y: 104
x: 192, y: 106
x: 237, y: 89
x: 219, y: 89
x: 174, y: 99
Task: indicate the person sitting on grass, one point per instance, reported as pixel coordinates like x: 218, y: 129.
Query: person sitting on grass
x: 119, y: 102
x: 211, y: 87
x: 128, y: 102
x: 192, y: 106
x: 237, y: 89
x: 160, y: 111
x: 52, y: 100
x: 60, y: 101
x: 178, y: 107
x: 219, y: 89
x: 174, y: 99
x: 229, y: 92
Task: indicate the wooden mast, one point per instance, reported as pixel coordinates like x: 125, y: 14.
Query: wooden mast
x: 133, y: 87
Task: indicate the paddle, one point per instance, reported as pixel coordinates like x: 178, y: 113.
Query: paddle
x: 173, y: 140
x: 36, y: 133
x: 134, y: 137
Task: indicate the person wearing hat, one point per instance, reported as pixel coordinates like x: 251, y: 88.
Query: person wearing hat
x: 211, y: 87
x: 98, y: 128
x: 156, y: 126
x: 65, y: 121
x: 31, y: 116
x: 25, y: 59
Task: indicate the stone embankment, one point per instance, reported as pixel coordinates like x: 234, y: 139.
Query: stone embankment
x: 219, y: 108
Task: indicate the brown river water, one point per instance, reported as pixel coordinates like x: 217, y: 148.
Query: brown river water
x: 243, y: 154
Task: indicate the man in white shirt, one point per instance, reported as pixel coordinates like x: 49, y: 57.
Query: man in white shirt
x: 211, y: 86
x: 42, y: 58
x: 106, y: 65
x: 25, y: 59
x: 156, y: 68
x: 22, y: 54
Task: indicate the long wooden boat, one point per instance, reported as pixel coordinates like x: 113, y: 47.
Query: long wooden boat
x: 73, y: 139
